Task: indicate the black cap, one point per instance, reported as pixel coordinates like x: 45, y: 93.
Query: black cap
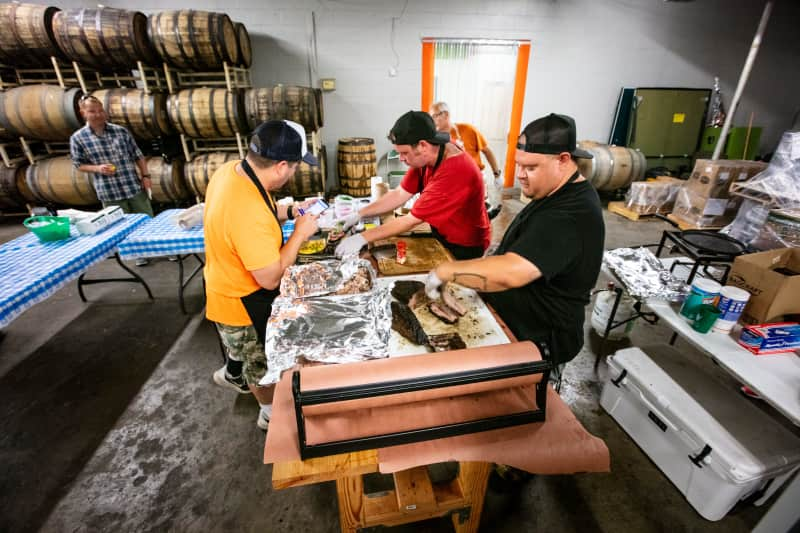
x: 282, y: 140
x: 552, y: 134
x: 416, y: 126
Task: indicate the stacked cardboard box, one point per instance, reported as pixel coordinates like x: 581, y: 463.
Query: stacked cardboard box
x: 705, y: 199
x: 773, y: 280
x: 651, y: 197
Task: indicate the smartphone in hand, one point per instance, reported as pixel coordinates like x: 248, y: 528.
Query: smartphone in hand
x: 315, y: 209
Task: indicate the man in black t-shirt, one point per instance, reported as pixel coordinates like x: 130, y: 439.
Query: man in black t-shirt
x: 539, y: 278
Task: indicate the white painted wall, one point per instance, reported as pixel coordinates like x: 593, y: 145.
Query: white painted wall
x: 583, y: 51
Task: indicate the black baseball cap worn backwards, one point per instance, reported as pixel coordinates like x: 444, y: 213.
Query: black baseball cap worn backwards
x: 282, y: 140
x: 416, y: 126
x: 552, y: 134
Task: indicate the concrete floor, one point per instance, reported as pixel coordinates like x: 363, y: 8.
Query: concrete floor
x: 110, y: 422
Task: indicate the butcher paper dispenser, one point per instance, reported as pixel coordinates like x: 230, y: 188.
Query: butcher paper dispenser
x: 359, y: 406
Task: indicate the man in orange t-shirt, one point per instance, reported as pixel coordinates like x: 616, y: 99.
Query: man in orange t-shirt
x: 465, y: 136
x: 245, y: 254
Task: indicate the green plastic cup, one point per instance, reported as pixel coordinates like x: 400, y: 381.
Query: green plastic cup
x: 706, y: 315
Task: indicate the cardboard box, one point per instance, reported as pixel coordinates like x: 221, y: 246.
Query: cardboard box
x: 773, y: 280
x: 704, y: 212
x: 778, y: 337
x: 713, y: 178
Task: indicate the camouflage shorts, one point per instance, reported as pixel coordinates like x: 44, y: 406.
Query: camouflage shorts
x: 242, y: 344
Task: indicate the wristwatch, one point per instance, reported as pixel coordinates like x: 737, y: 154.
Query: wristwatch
x: 289, y: 214
x: 145, y: 176
x: 497, y: 173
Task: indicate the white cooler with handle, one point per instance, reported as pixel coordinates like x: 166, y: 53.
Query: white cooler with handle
x: 691, y: 421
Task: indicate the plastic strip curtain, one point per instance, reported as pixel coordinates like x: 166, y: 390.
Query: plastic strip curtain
x: 476, y: 79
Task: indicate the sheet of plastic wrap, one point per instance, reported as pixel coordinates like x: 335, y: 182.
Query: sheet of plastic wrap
x: 748, y: 222
x: 779, y: 185
x: 643, y: 274
x: 781, y: 230
x: 650, y: 197
x: 328, y: 329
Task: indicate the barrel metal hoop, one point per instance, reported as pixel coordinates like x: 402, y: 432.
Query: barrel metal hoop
x: 213, y: 114
x: 192, y: 118
x: 176, y: 29
x: 217, y: 45
x: 107, y: 58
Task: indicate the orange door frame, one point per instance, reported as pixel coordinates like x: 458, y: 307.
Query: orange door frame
x: 518, y: 100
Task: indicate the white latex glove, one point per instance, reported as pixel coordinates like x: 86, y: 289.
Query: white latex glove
x: 350, y: 245
x: 348, y: 221
x: 432, y: 285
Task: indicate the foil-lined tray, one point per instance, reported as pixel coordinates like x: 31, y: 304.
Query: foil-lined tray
x: 644, y: 275
x: 327, y: 329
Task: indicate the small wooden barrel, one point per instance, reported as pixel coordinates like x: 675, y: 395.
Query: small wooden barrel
x: 612, y: 167
x: 281, y: 102
x: 27, y: 38
x: 104, y: 38
x: 11, y: 198
x: 145, y: 115
x: 243, y: 45
x: 357, y: 164
x: 45, y: 112
x: 200, y: 169
x: 57, y: 181
x: 166, y: 178
x: 207, y: 113
x: 194, y: 40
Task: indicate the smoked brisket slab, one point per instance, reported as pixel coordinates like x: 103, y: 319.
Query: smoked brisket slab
x: 405, y: 322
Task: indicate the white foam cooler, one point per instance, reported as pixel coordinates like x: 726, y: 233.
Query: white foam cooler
x: 710, y: 442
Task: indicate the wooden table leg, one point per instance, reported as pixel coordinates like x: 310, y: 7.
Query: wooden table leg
x: 350, y: 495
x: 473, y: 478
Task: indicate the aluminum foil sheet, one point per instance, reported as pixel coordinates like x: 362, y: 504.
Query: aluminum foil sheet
x: 643, y: 275
x: 327, y: 329
x: 324, y: 277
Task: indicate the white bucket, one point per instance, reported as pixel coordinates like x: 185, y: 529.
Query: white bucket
x: 732, y: 301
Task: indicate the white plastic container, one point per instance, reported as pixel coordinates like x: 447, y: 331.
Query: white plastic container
x: 732, y: 301
x: 710, y: 442
x: 604, y: 304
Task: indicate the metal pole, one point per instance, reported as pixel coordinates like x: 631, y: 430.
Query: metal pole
x: 748, y: 65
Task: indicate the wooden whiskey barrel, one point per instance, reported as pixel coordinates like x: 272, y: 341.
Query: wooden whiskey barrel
x: 612, y: 167
x: 200, y: 169
x: 243, y: 45
x: 104, y: 38
x: 207, y: 113
x: 168, y: 183
x: 357, y: 164
x: 45, y: 112
x: 307, y: 180
x: 281, y: 102
x: 145, y: 115
x: 11, y: 198
x: 27, y: 37
x: 57, y: 181
x: 194, y: 40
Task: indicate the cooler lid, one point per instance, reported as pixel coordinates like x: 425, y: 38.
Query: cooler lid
x: 702, y: 402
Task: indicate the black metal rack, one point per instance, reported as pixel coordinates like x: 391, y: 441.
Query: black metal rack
x: 337, y: 394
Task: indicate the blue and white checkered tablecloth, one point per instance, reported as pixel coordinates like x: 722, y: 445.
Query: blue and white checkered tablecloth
x: 31, y: 271
x: 161, y: 236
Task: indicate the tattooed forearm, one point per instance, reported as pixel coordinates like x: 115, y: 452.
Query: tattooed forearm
x: 469, y: 279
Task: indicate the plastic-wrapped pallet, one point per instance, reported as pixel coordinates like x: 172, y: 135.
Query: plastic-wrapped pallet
x: 712, y: 443
x: 651, y: 197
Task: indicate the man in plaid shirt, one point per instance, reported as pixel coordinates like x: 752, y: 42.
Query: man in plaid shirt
x: 110, y: 155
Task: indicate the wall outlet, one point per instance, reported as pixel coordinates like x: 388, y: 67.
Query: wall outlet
x: 328, y: 84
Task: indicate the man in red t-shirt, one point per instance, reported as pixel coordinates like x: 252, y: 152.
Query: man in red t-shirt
x: 450, y: 186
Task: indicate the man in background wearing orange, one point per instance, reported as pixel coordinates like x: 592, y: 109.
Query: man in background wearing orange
x: 465, y: 136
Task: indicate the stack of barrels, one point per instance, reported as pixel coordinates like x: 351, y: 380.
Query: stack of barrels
x: 299, y: 104
x: 114, y: 41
